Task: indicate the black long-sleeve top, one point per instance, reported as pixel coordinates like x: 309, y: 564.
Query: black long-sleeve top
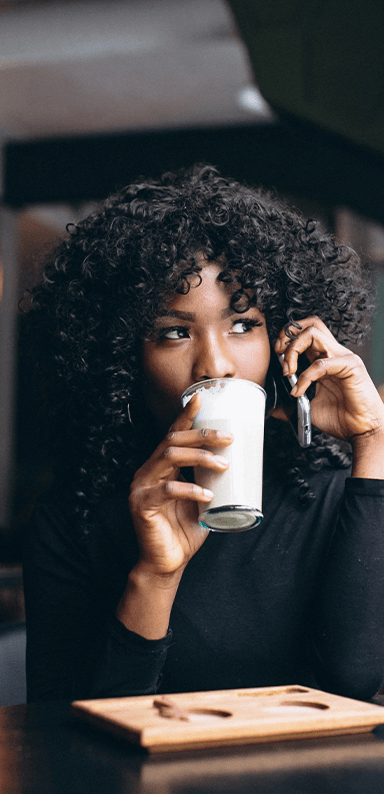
x: 299, y: 599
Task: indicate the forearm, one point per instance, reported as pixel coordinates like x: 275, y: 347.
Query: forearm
x: 147, y: 601
x: 131, y: 656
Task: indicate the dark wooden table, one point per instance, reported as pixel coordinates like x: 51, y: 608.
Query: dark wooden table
x: 44, y: 750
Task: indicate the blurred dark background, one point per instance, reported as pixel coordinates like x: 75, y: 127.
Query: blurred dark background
x: 284, y: 93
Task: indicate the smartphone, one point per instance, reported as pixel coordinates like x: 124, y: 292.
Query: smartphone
x: 297, y: 409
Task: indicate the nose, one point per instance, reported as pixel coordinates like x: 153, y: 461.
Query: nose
x: 213, y: 359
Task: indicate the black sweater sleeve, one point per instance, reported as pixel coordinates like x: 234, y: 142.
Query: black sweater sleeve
x: 349, y: 624
x: 76, y: 647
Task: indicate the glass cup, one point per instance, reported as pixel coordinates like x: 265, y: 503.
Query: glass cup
x: 236, y: 406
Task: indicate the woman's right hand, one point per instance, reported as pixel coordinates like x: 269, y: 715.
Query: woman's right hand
x: 163, y: 506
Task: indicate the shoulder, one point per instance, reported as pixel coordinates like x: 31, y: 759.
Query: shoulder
x: 57, y: 526
x: 328, y: 487
x: 52, y: 542
x: 328, y: 480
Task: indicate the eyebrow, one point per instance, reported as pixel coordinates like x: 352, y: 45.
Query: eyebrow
x: 191, y: 316
x: 180, y: 315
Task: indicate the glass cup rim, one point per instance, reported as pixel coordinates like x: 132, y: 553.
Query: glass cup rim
x: 226, y: 382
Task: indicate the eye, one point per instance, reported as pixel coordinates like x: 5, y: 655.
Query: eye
x: 244, y: 326
x: 176, y: 332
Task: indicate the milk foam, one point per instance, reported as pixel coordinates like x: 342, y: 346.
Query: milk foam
x: 231, y: 395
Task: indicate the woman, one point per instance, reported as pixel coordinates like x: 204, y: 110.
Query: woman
x: 173, y: 282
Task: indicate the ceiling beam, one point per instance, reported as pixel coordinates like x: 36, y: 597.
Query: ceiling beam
x: 290, y: 156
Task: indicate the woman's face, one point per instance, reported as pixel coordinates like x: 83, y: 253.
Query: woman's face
x: 200, y: 336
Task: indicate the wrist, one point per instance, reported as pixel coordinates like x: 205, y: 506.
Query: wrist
x: 146, y: 604
x: 368, y: 454
x: 143, y: 576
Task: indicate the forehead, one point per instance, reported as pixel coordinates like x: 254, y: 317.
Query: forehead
x: 206, y: 289
x: 204, y: 293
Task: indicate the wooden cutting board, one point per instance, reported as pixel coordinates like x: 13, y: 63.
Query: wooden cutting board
x: 228, y: 717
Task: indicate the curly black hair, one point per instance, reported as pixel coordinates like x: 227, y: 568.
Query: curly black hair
x: 118, y: 267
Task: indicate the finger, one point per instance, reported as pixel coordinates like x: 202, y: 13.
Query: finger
x: 164, y: 463
x: 343, y: 367
x: 174, y: 458
x: 186, y: 417
x: 181, y: 457
x: 288, y: 329
x: 196, y: 438
x: 292, y: 331
x: 316, y: 343
x: 169, y: 458
x: 156, y: 496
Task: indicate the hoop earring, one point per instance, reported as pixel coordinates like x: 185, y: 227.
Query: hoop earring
x: 270, y: 409
x: 129, y: 415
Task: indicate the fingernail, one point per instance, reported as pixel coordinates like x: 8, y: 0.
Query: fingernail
x: 207, y: 493
x: 221, y: 460
x: 220, y: 434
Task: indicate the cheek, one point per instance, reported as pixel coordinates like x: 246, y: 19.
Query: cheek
x: 265, y: 366
x: 256, y: 363
x: 265, y: 358
x: 158, y: 372
x: 162, y: 386
x: 261, y: 376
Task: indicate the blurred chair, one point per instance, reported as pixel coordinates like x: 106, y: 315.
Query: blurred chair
x: 12, y: 664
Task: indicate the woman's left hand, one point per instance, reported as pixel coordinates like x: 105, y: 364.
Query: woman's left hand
x: 347, y: 404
